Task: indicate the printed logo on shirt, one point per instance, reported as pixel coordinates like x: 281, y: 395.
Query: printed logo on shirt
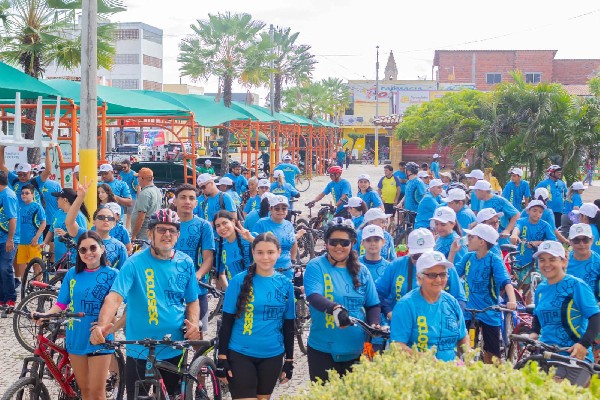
x: 151, y: 296
x: 423, y: 329
x: 399, y: 283
x: 71, y: 308
x: 249, y: 314
x: 329, y: 320
x: 467, y: 268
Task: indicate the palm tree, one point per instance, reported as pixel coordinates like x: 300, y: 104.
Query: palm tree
x: 338, y: 97
x: 227, y: 46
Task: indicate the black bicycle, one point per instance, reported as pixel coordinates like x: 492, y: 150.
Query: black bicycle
x: 372, y: 332
x: 404, y: 222
x: 306, y: 244
x: 217, y: 294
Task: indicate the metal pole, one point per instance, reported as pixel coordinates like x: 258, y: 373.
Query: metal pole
x: 377, y: 109
x: 272, y: 77
x: 88, y: 158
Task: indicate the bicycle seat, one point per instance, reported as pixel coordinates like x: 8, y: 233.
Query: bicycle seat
x: 326, y: 205
x: 295, y: 212
x: 508, y: 247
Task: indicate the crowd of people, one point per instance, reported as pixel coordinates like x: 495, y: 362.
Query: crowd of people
x: 239, y: 229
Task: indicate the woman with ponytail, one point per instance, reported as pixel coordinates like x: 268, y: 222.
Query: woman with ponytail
x: 233, y: 247
x: 338, y: 286
x: 256, y: 339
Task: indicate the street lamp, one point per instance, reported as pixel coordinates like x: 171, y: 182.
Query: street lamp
x: 377, y: 109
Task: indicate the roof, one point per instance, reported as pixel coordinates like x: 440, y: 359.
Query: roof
x: 12, y: 81
x: 577, y: 90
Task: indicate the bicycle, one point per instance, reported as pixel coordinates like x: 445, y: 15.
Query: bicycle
x: 403, y: 225
x: 306, y: 248
x: 302, y: 182
x: 526, y: 284
x: 217, y: 294
x: 476, y: 334
x: 319, y: 223
x: 371, y: 332
x: 303, y: 320
x: 139, y: 245
x: 168, y: 193
x: 152, y: 386
x: 43, y: 363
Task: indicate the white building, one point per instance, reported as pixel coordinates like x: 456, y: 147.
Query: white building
x: 138, y: 60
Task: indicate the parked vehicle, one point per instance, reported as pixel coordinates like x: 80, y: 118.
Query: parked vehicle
x: 165, y: 172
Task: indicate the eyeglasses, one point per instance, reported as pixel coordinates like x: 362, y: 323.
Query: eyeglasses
x: 105, y: 218
x: 433, y: 276
x: 162, y: 230
x: 339, y: 242
x: 578, y: 240
x: 280, y: 208
x: 83, y: 250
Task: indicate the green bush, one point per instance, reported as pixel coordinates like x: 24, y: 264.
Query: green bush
x: 398, y: 375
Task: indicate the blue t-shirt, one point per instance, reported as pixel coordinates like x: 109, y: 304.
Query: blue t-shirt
x: 229, y: 259
x: 132, y: 182
x: 253, y: 203
x: 531, y: 233
x: 557, y: 191
x: 440, y: 324
x: 547, y: 216
x: 376, y: 268
x: 596, y: 240
x: 240, y: 182
x: 120, y: 189
x: 237, y: 200
x: 394, y: 283
x: 587, y: 270
x: 358, y: 221
x: 444, y: 243
x: 59, y: 222
x: 158, y: 291
x: 371, y: 198
x: 483, y: 280
x: 500, y: 204
x: 289, y: 172
x: 465, y: 217
x: 563, y: 310
x: 337, y: 190
x: 284, y: 231
x: 195, y: 236
x: 15, y: 184
x: 475, y: 203
x: 208, y: 206
x: 435, y: 169
x: 516, y: 194
x: 401, y: 175
x: 85, y: 292
x: 31, y: 216
x: 50, y: 187
x: 286, y: 190
x: 426, y: 209
x: 251, y: 219
x: 387, y: 251
x: 259, y: 330
x: 115, y: 252
x: 414, y: 191
x: 120, y: 233
x: 8, y: 211
x: 336, y: 285
x: 574, y: 201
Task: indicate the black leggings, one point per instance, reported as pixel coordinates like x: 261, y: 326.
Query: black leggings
x: 135, y: 370
x: 319, y: 363
x: 253, y: 376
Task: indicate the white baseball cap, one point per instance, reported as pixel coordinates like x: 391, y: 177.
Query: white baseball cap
x: 435, y: 183
x: 580, y: 230
x: 444, y: 214
x: 482, y: 185
x: 24, y: 167
x: 588, y: 209
x: 267, y: 195
x: 114, y: 207
x: 423, y: 174
x: 225, y: 181
x: 487, y: 213
x: 476, y: 173
x: 436, y: 155
x: 365, y: 177
x: 543, y: 192
x: 207, y: 162
x: 354, y: 202
x: 264, y: 183
x: 276, y: 200
x: 447, y: 174
x: 203, y: 178
x: 372, y: 231
x: 287, y: 157
x: 105, y: 168
x: 484, y: 232
x: 76, y: 169
x: 420, y: 241
x: 551, y: 247
x: 577, y: 186
x: 535, y: 203
x: 278, y: 173
x: 455, y: 194
x: 516, y: 171
x: 432, y: 259
x: 375, y: 213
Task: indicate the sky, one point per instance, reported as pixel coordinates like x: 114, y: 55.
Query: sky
x: 344, y: 34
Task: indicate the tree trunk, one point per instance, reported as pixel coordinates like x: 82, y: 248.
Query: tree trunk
x: 227, y: 83
x: 277, y: 95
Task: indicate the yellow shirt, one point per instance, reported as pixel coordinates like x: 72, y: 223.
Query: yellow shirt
x: 388, y: 188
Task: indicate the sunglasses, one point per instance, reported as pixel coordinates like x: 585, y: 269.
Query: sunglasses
x: 83, y: 250
x: 433, y: 276
x: 578, y: 240
x: 339, y: 242
x: 280, y: 208
x: 162, y: 230
x: 202, y: 187
x: 105, y: 218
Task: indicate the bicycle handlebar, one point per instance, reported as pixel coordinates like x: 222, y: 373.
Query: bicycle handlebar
x: 537, y: 344
x: 213, y: 290
x: 592, y: 367
x: 38, y: 316
x: 371, y: 331
x: 178, y: 344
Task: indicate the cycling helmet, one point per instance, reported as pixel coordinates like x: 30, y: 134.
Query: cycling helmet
x: 340, y: 224
x: 553, y: 168
x: 164, y: 216
x: 235, y: 164
x: 335, y: 170
x: 412, y: 167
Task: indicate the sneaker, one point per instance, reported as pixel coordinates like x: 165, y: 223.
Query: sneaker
x: 10, y: 303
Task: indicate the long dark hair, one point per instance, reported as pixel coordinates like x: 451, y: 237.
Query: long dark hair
x: 227, y: 215
x: 80, y: 266
x: 247, y: 283
x: 263, y: 211
x: 110, y: 195
x: 352, y: 264
x: 595, y: 220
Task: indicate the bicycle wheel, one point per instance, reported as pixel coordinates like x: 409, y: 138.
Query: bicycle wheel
x: 302, y: 183
x: 115, y: 380
x: 25, y: 329
x: 33, y: 272
x: 207, y: 385
x: 510, y: 352
x: 301, y: 322
x: 26, y: 388
x: 306, y: 250
x: 217, y: 311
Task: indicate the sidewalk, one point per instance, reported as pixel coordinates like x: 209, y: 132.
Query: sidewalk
x: 591, y: 193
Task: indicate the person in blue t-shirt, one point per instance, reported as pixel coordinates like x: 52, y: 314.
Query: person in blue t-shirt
x: 473, y: 177
x: 251, y: 197
x: 129, y: 176
x: 402, y: 177
x: 256, y: 339
x: 483, y: 192
x: 456, y: 200
x: 340, y: 190
x: 9, y: 240
x: 196, y: 239
x: 557, y: 190
x: 283, y: 188
x: 428, y: 204
x: 566, y: 313
x: 104, y: 220
x: 240, y: 183
x: 51, y: 201
x: 290, y: 171
x: 32, y: 221
x: 357, y: 209
x: 517, y: 190
x: 375, y: 216
x: 447, y: 230
x: 583, y: 262
x: 120, y: 189
x: 415, y: 188
x: 337, y: 286
x: 572, y: 203
x: 263, y: 211
x: 212, y: 199
x: 484, y: 276
x: 118, y: 232
x: 284, y: 230
x: 428, y: 317
x: 435, y: 166
x: 160, y: 286
x: 590, y: 214
x: 84, y: 288
x: 253, y: 202
x: 233, y: 253
x: 366, y: 192
x: 226, y: 186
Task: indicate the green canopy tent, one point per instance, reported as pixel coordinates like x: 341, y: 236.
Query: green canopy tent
x: 12, y: 81
x: 263, y: 140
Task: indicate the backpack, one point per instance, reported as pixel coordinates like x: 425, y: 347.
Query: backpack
x: 35, y: 185
x: 238, y: 211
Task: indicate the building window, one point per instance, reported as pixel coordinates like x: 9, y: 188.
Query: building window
x: 533, y: 77
x: 127, y: 59
x: 155, y: 86
x: 152, y: 37
x: 152, y: 61
x: 126, y: 83
x: 127, y: 34
x: 493, y: 78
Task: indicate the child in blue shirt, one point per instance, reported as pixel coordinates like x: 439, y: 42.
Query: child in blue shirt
x: 583, y: 262
x: 366, y: 192
x: 233, y: 254
x: 32, y: 220
x: 429, y: 203
x: 357, y: 209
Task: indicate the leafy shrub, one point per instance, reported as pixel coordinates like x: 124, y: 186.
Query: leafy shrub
x: 399, y: 375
